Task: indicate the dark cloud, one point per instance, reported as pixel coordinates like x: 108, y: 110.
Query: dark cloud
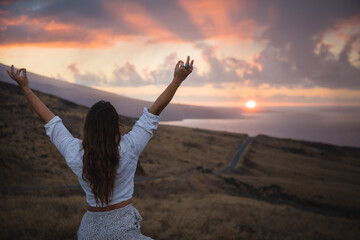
x: 294, y: 30
x: 82, y: 23
x: 88, y: 14
x: 38, y: 35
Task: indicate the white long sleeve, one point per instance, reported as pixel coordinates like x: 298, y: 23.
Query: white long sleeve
x: 130, y: 147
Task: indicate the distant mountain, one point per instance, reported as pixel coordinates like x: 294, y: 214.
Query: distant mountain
x: 126, y: 106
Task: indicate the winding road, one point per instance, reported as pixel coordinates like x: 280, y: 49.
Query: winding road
x: 236, y: 157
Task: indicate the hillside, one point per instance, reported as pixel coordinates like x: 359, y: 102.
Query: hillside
x: 38, y: 162
x: 281, y: 189
x: 126, y: 106
x: 309, y: 172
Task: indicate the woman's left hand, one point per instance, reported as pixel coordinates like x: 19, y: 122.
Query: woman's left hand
x: 181, y: 72
x: 22, y: 81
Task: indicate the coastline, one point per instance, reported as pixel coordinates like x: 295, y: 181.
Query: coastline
x: 332, y: 125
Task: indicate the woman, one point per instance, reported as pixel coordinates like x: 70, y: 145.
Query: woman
x: 104, y: 161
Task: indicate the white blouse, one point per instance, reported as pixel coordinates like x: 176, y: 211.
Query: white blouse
x: 130, y: 147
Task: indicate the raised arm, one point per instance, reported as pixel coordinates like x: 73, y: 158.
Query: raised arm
x: 180, y: 73
x: 39, y: 107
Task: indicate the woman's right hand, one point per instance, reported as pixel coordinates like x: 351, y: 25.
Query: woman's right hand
x: 22, y: 81
x: 180, y: 72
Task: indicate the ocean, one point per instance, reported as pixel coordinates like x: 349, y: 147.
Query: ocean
x: 334, y: 125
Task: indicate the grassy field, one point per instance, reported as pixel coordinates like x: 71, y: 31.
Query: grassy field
x: 281, y: 188
x: 316, y: 172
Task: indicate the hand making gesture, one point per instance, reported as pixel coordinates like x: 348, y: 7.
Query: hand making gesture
x: 181, y: 71
x: 39, y: 107
x: 22, y: 81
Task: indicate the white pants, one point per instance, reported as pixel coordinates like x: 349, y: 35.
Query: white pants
x: 122, y: 223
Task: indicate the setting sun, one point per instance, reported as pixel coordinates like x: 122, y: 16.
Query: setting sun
x: 250, y: 104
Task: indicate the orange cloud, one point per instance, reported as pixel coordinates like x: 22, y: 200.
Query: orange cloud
x: 335, y: 38
x: 346, y: 28
x: 255, y: 62
x: 214, y: 19
x: 7, y: 20
x: 141, y: 21
x: 53, y: 26
x: 44, y: 32
x: 50, y: 32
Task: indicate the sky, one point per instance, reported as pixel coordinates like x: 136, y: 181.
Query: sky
x: 279, y: 53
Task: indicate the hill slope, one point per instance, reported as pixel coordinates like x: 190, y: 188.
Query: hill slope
x: 315, y: 172
x: 281, y: 189
x: 28, y: 158
x: 126, y: 106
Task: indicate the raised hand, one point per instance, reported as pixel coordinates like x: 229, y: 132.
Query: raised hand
x: 38, y: 106
x: 22, y: 81
x: 181, y: 71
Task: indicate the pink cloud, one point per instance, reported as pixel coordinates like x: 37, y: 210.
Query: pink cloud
x: 118, y: 21
x: 215, y: 19
x: 73, y: 68
x: 104, y: 23
x: 139, y: 18
x: 47, y: 32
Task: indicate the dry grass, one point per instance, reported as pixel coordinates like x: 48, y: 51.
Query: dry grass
x: 218, y: 216
x: 318, y: 172
x: 177, y: 216
x: 28, y: 158
x: 177, y: 149
x: 188, y: 202
x: 40, y: 217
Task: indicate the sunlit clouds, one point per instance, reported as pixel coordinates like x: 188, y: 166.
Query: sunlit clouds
x: 213, y: 19
x: 277, y: 52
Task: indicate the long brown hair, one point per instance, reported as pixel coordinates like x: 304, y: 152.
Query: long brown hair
x: 101, y: 154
